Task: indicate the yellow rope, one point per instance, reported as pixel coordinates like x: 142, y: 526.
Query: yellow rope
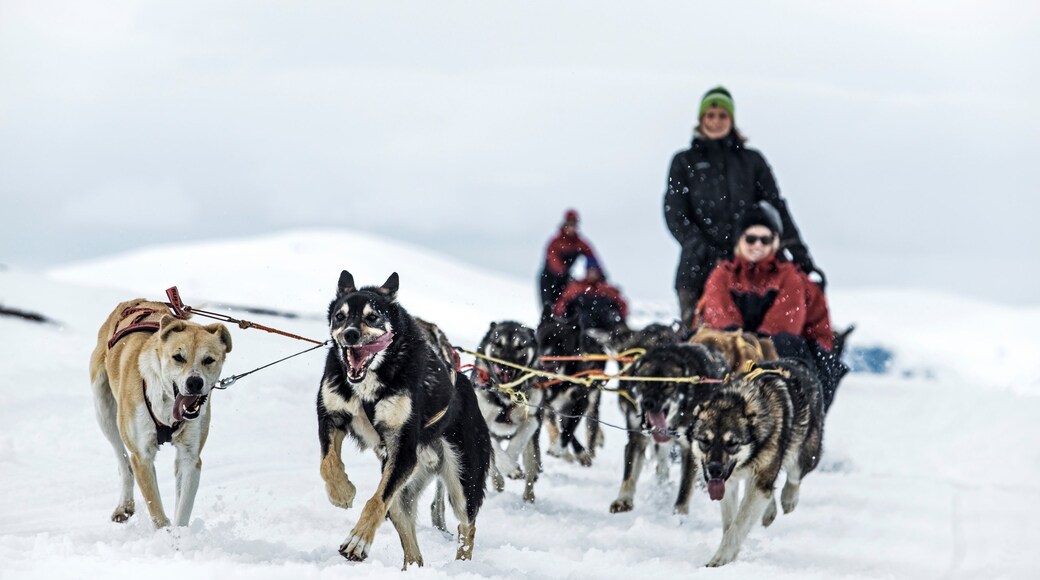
x: 588, y: 381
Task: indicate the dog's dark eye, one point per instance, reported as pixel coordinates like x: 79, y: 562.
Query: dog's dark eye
x: 372, y: 318
x: 733, y: 444
x: 340, y: 316
x: 208, y: 360
x: 179, y: 358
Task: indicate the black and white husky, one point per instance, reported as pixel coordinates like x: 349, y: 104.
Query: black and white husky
x: 514, y: 423
x: 388, y: 388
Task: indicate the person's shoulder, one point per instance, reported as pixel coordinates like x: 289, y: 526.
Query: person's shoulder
x: 752, y: 153
x: 791, y: 271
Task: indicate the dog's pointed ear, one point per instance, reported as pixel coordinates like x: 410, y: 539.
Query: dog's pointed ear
x: 346, y: 284
x: 389, y: 288
x: 169, y: 324
x: 222, y: 333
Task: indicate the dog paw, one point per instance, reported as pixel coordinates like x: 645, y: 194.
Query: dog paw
x: 721, y: 559
x: 497, y: 481
x: 621, y: 506
x: 681, y: 509
x: 529, y: 495
x: 412, y: 559
x: 123, y: 512
x: 585, y: 459
x: 516, y: 473
x: 354, y: 548
x: 770, y: 513
x: 789, y: 498
x: 341, y: 494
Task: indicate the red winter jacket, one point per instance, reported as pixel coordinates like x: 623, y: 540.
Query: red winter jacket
x: 799, y: 307
x: 563, y: 250
x: 597, y: 289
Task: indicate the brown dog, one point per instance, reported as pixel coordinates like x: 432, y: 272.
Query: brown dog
x: 736, y: 346
x: 152, y: 374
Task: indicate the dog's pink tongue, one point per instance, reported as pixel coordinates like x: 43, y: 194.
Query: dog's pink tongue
x: 373, y: 347
x: 716, y: 489
x: 659, y: 423
x: 181, y: 403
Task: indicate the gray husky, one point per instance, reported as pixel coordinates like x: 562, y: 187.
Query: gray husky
x: 760, y: 422
x: 663, y: 408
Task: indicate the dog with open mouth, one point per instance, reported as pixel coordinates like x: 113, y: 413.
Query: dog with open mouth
x: 388, y: 388
x: 664, y: 407
x: 758, y: 423
x: 151, y: 375
x: 514, y: 423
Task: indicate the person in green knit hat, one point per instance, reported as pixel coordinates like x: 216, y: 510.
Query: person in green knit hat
x: 710, y: 187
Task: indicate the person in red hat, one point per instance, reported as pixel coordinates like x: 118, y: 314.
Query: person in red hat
x: 560, y: 255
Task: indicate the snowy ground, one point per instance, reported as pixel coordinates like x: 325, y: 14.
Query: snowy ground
x: 931, y: 471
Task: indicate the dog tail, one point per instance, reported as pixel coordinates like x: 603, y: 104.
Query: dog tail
x: 105, y: 407
x: 476, y: 447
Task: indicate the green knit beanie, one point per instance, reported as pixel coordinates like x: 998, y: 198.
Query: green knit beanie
x: 717, y: 97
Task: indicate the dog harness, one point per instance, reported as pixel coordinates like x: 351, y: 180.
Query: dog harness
x: 139, y: 323
x: 163, y: 432
x: 138, y: 316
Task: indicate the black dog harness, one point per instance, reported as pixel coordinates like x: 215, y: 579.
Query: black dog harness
x: 163, y: 432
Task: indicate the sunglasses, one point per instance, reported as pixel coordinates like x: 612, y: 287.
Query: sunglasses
x: 766, y: 240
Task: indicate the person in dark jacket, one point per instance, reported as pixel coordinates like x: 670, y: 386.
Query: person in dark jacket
x: 756, y: 292
x: 598, y: 304
x: 710, y: 187
x: 561, y: 253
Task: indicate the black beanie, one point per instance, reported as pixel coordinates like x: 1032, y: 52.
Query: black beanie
x: 762, y: 214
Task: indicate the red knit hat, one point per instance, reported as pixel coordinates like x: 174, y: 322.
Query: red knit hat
x: 571, y: 216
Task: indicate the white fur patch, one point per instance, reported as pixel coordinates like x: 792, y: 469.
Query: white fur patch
x: 360, y: 424
x: 394, y: 411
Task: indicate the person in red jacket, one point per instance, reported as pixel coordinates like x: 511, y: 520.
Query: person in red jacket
x: 757, y: 292
x: 595, y: 301
x: 561, y: 253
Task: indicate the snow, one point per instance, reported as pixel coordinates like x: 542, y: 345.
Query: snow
x: 929, y: 471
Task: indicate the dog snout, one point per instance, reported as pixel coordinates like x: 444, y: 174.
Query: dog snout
x: 194, y: 385
x: 715, y: 470
x: 651, y: 405
x: 351, y: 335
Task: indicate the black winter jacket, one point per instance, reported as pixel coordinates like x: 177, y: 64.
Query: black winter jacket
x: 710, y: 186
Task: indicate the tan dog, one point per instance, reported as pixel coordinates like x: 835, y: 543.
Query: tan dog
x: 738, y: 347
x: 152, y: 374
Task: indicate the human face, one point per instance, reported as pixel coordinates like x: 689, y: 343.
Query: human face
x: 716, y: 122
x: 758, y: 250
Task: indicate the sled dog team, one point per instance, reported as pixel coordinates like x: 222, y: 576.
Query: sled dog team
x: 391, y: 383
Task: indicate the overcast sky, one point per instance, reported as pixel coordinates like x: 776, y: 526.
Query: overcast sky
x: 903, y: 134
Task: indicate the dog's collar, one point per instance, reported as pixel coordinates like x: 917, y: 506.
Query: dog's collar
x: 163, y: 432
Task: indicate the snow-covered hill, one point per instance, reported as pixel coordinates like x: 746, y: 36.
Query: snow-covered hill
x: 929, y: 471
